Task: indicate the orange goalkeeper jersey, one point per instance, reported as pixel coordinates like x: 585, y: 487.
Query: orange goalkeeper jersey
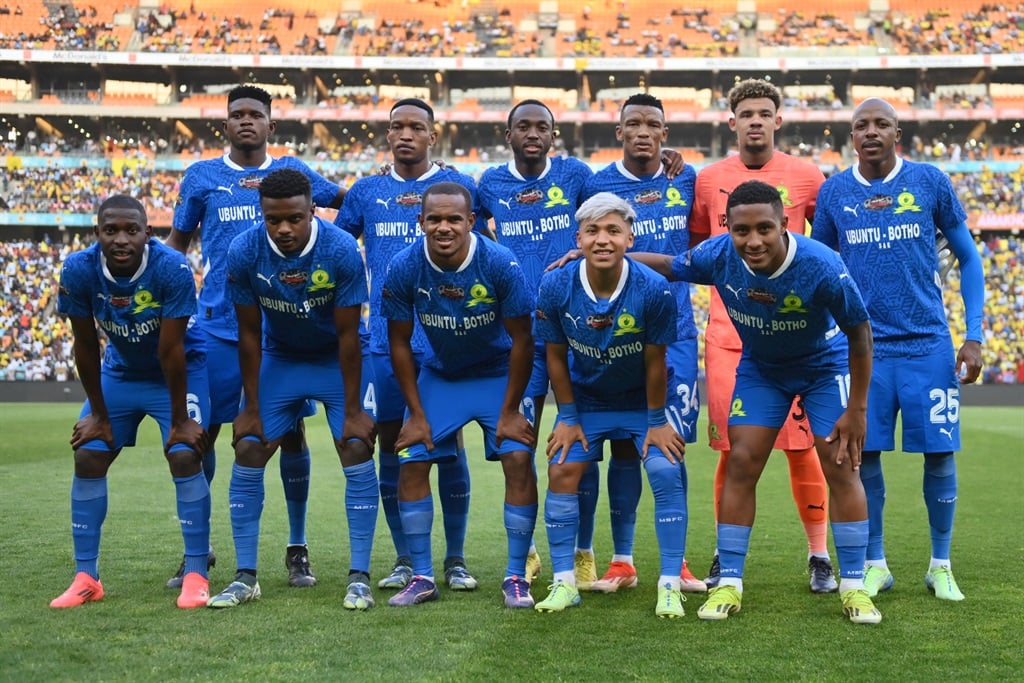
x: 797, y: 181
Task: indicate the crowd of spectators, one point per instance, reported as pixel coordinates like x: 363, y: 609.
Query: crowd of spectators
x: 36, y: 344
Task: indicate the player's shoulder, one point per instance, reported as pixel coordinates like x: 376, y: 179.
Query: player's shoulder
x: 559, y: 280
x: 645, y: 277
x: 798, y: 167
x: 810, y: 248
x: 494, y: 173
x: 493, y: 251
x: 571, y: 165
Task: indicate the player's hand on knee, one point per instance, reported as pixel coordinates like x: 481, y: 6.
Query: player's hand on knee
x: 514, y: 425
x: 415, y: 430
x: 848, y: 437
x: 360, y: 426
x: 188, y: 433
x: 92, y: 428
x: 248, y: 423
x: 561, y: 439
x: 667, y: 440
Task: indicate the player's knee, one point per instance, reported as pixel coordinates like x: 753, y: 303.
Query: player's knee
x: 351, y: 452
x: 519, y: 472
x: 414, y: 481
x: 251, y: 453
x: 90, y: 464
x: 184, y: 463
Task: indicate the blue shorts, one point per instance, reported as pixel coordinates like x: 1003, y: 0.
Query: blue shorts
x: 682, y: 402
x: 926, y: 392
x: 288, y: 385
x: 451, y: 404
x: 130, y: 400
x: 390, y: 403
x: 765, y: 399
x: 607, y: 425
x: 225, y: 381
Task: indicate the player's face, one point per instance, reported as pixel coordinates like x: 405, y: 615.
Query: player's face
x: 447, y: 220
x: 410, y: 134
x: 248, y: 124
x: 641, y: 131
x: 289, y: 222
x: 604, y: 241
x: 532, y: 132
x: 758, y: 233
x: 755, y: 122
x: 875, y: 132
x: 122, y: 234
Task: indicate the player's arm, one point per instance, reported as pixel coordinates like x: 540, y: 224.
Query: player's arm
x: 511, y: 423
x: 416, y: 428
x: 659, y: 263
x: 851, y: 426
x: 250, y: 357
x: 673, y: 162
x: 659, y: 432
x: 567, y: 429
x: 358, y: 424
x: 95, y: 425
x: 179, y: 240
x: 972, y: 290
x: 171, y: 353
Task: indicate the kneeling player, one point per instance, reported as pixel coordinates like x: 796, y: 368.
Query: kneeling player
x: 614, y: 317
x: 471, y: 299
x: 143, y: 296
x: 788, y: 298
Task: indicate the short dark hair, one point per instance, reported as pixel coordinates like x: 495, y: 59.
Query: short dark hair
x: 524, y: 103
x: 413, y: 102
x: 752, y: 89
x: 448, y: 188
x: 250, y: 92
x: 285, y: 183
x: 122, y: 201
x: 754, y: 192
x: 642, y: 99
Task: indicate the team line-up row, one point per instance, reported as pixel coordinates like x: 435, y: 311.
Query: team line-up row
x: 814, y: 345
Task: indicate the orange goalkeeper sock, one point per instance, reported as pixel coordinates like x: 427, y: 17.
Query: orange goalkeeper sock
x: 810, y: 492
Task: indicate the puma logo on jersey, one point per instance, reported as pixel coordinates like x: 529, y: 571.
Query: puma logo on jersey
x: 505, y: 203
x: 575, y: 319
x: 851, y: 209
x: 425, y: 292
x: 385, y: 202
x: 261, y: 276
x: 736, y: 292
x: 227, y: 189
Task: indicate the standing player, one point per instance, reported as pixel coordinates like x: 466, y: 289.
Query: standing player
x: 383, y: 209
x: 471, y: 298
x: 662, y: 206
x: 298, y: 287
x: 143, y: 296
x: 797, y: 297
x: 221, y: 197
x: 755, y: 117
x: 617, y: 317
x: 533, y: 199
x: 882, y: 215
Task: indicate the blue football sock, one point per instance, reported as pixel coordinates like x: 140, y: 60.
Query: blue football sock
x: 453, y: 490
x: 519, y: 523
x: 851, y: 539
x: 733, y: 543
x: 669, y: 513
x: 295, y: 477
x: 561, y: 518
x: 874, y: 490
x: 590, y: 490
x: 210, y: 464
x: 387, y: 477
x: 245, y: 497
x: 940, y: 492
x: 417, y: 520
x: 624, y: 486
x: 361, y: 496
x: 193, y: 496
x: 88, y: 510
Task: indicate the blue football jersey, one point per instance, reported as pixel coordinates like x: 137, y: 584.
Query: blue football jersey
x: 129, y: 309
x: 885, y: 231
x: 384, y: 211
x: 297, y: 293
x: 222, y: 199
x: 791, y: 319
x: 461, y: 312
x: 535, y: 217
x: 606, y: 338
x: 662, y: 213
